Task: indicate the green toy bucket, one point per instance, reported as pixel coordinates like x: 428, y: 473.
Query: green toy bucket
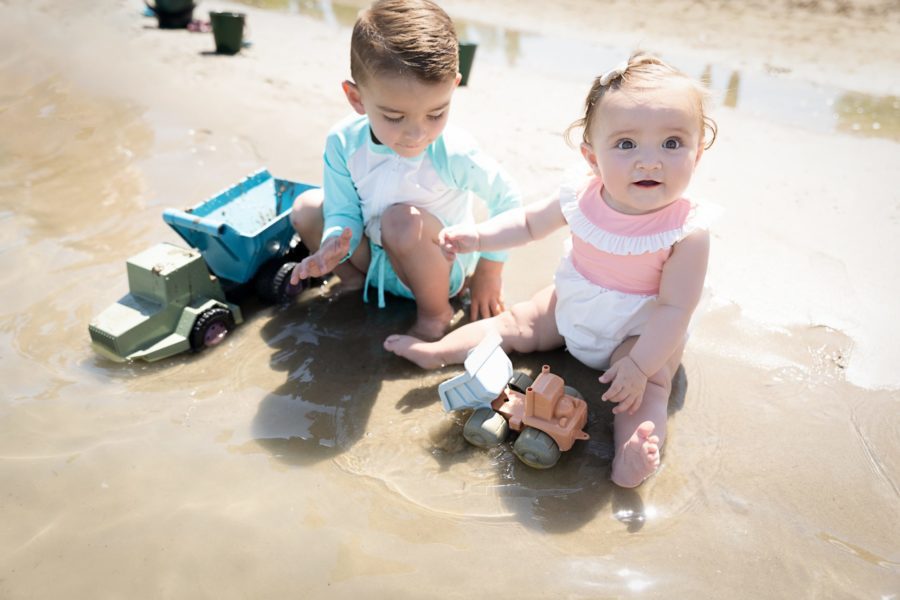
x: 172, y: 14
x: 466, y: 58
x: 228, y: 31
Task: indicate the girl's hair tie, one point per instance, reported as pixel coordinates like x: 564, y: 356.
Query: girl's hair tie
x: 613, y: 73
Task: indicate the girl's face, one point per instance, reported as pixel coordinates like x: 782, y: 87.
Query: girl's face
x: 405, y: 114
x: 644, y: 145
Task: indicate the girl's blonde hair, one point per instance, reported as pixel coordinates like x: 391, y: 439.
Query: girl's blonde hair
x: 641, y: 71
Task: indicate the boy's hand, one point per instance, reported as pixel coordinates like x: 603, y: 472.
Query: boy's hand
x: 486, y: 290
x: 325, y: 259
x: 628, y: 384
x: 458, y: 239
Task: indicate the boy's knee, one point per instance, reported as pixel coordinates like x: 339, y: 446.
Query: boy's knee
x: 401, y: 227
x: 306, y: 213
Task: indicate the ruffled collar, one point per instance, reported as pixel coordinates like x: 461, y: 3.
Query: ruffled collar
x: 619, y: 233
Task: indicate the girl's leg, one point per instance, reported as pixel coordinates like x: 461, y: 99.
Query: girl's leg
x: 639, y: 437
x: 526, y: 327
x: 307, y: 220
x: 408, y: 236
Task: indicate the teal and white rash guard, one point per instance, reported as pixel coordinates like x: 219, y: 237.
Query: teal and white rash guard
x: 363, y: 177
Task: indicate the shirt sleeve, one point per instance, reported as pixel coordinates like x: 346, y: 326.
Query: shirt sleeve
x: 341, y: 207
x: 475, y: 171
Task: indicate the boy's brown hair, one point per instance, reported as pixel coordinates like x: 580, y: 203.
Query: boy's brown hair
x: 404, y: 37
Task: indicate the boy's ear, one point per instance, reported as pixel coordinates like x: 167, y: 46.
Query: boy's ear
x: 351, y: 90
x: 591, y: 157
x: 458, y: 78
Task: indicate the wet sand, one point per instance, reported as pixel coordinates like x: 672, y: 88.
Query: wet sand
x: 299, y: 460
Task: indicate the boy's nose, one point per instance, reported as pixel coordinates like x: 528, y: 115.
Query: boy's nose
x: 414, y: 132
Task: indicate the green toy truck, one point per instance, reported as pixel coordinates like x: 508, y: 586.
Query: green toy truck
x: 183, y: 299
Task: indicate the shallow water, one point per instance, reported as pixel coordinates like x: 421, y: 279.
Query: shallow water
x: 297, y: 459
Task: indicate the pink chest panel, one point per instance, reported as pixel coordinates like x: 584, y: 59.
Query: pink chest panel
x: 632, y: 274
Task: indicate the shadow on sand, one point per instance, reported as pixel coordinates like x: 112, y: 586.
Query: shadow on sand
x: 331, y: 350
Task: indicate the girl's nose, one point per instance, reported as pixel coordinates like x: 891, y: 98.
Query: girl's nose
x: 649, y: 163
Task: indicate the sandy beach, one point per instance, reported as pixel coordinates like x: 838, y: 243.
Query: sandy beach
x: 299, y: 459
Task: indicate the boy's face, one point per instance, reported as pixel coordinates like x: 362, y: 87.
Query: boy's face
x: 405, y: 114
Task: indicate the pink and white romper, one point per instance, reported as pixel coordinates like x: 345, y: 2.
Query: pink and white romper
x: 608, y: 281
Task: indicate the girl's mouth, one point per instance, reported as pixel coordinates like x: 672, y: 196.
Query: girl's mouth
x: 647, y: 183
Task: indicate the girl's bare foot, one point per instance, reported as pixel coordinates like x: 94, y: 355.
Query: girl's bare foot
x: 414, y: 350
x: 638, y: 459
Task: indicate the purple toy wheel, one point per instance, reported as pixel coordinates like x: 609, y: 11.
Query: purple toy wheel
x: 215, y: 333
x: 211, y: 327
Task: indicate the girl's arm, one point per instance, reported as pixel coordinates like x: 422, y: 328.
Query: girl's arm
x: 512, y: 228
x: 679, y: 293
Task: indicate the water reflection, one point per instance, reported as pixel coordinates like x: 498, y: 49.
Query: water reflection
x: 772, y: 94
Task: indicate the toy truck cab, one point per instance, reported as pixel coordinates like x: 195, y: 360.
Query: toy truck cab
x: 173, y: 305
x: 548, y: 415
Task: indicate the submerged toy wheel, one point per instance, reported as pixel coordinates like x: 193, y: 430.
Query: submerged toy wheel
x: 520, y: 382
x: 273, y: 283
x: 211, y: 327
x: 570, y: 391
x: 536, y: 449
x: 485, y: 428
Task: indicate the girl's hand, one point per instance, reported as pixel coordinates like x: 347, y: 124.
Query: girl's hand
x: 485, y: 287
x: 325, y: 259
x: 458, y: 239
x: 628, y: 384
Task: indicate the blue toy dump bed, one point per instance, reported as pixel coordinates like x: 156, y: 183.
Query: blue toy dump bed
x: 242, y: 227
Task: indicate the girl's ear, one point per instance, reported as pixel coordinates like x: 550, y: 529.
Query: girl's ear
x: 699, y: 154
x: 591, y: 157
x: 351, y: 90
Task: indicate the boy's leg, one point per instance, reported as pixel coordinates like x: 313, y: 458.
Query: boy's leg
x: 640, y: 437
x: 307, y: 220
x: 526, y: 327
x: 408, y: 235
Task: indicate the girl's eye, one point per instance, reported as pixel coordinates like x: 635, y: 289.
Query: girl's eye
x: 672, y: 144
x: 436, y: 117
x: 392, y: 119
x: 625, y: 145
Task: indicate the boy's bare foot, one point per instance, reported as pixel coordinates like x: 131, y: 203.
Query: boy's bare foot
x: 638, y: 459
x: 414, y: 350
x: 431, y: 329
x: 351, y: 280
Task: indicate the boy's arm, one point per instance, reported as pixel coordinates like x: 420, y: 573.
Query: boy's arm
x: 341, y: 207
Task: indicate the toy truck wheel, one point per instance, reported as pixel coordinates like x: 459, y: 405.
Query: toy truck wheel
x: 536, y: 449
x: 570, y: 391
x: 273, y: 283
x: 520, y: 382
x: 485, y: 428
x: 211, y: 327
